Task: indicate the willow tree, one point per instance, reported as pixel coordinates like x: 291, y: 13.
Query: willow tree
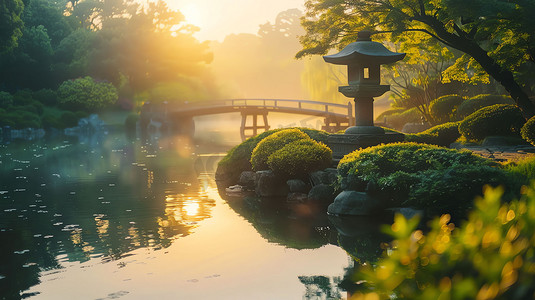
x: 496, y: 36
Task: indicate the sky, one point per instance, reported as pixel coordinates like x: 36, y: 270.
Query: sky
x: 219, y: 18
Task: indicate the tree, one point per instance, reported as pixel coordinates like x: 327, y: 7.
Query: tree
x: 497, y: 35
x: 10, y: 23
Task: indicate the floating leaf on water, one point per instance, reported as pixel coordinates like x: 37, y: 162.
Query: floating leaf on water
x: 20, y: 190
x: 29, y: 265
x: 3, y: 192
x: 10, y: 209
x: 57, y: 215
x: 111, y: 184
x: 57, y: 175
x: 21, y: 251
x: 37, y: 235
x: 2, y: 277
x: 72, y: 193
x: 43, y: 184
x: 58, y: 223
x: 48, y: 236
x: 100, y: 198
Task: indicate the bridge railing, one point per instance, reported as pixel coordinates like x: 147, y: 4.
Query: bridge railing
x: 290, y: 103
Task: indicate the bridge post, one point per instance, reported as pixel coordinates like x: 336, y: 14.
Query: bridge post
x: 244, y: 129
x: 350, y: 118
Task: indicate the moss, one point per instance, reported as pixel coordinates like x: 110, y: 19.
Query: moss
x: 499, y: 119
x: 300, y: 158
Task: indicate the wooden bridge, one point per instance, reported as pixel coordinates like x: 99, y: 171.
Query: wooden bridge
x: 179, y: 117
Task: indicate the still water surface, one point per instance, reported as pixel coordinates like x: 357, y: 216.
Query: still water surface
x: 110, y: 217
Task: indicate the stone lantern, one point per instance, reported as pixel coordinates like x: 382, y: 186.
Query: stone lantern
x: 364, y: 59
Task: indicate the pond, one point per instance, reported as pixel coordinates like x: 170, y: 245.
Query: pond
x: 110, y: 217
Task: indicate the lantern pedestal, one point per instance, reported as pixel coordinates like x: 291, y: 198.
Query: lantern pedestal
x: 342, y: 144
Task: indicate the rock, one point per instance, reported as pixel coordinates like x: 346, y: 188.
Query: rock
x: 414, y: 127
x: 322, y: 193
x: 247, y: 179
x: 296, y: 198
x: 353, y: 203
x: 327, y: 176
x: 269, y: 185
x: 297, y: 186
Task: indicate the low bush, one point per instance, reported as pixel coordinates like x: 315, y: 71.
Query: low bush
x: 490, y: 256
x: 443, y: 108
x: 86, y: 94
x: 469, y: 106
x: 300, y: 158
x: 68, y: 119
x: 499, y: 119
x: 387, y: 113
x: 425, y: 176
x: 46, y: 96
x: 20, y: 119
x: 272, y: 143
x: 528, y: 131
x: 238, y: 159
x: 23, y: 97
x: 440, y: 135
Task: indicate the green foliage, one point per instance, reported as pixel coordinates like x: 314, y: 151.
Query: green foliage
x: 416, y: 24
x: 421, y: 175
x: 19, y: 118
x: 11, y: 24
x: 22, y: 97
x: 443, y: 109
x: 388, y: 113
x: 272, y: 143
x: 524, y: 169
x: 528, y: 131
x: 488, y: 257
x: 440, y: 135
x: 86, y: 94
x: 299, y: 158
x: 473, y: 104
x: 6, y: 99
x: 499, y: 119
x: 238, y: 159
x: 46, y: 96
x: 68, y: 119
x: 398, y: 120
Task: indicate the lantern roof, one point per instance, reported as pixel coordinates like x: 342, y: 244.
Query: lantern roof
x: 364, y: 50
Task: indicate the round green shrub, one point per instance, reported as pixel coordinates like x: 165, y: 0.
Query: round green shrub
x: 50, y: 121
x: 528, y: 131
x: 443, y: 108
x: 420, y: 175
x: 388, y: 113
x: 499, y: 119
x: 440, y: 135
x: 238, y: 159
x: 299, y: 158
x: 23, y: 97
x: 272, y: 143
x: 469, y: 106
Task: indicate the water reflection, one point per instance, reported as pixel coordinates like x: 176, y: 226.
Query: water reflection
x: 66, y: 200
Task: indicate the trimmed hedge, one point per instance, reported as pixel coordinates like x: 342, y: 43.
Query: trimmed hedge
x: 443, y: 108
x: 272, y: 143
x: 238, y: 159
x: 299, y: 158
x: 528, y: 131
x: 473, y: 104
x: 420, y: 175
x: 398, y: 120
x: 440, y: 135
x: 499, y: 119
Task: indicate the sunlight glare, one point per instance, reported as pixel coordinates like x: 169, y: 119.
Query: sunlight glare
x: 193, y: 14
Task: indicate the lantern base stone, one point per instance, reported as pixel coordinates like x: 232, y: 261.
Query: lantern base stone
x: 342, y: 144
